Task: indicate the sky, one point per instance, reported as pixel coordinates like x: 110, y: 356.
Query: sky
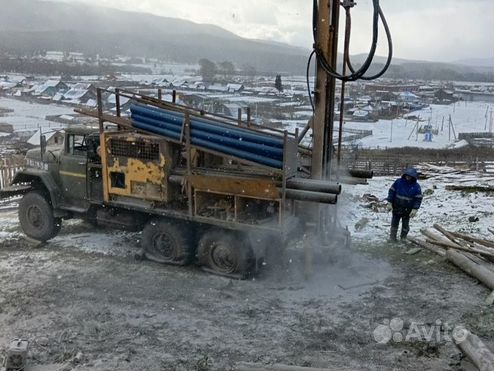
x: 436, y: 30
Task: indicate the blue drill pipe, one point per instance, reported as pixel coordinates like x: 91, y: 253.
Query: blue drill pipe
x: 207, y: 125
x: 156, y: 130
x: 212, y: 146
x: 271, y: 152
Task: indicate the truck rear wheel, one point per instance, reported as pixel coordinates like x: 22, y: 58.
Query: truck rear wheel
x: 36, y: 217
x: 226, y: 253
x: 166, y: 242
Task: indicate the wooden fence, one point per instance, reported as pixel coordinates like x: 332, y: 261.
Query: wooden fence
x: 8, y: 169
x: 393, y: 162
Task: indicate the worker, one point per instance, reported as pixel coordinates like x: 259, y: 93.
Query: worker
x: 404, y: 199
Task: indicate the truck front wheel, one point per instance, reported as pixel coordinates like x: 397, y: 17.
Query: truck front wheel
x: 36, y: 217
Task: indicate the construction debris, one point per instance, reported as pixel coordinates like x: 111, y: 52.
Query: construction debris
x: 473, y: 255
x: 16, y: 355
x: 466, y: 188
x: 477, y: 351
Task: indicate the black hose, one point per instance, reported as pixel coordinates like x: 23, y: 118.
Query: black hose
x: 308, y: 80
x: 390, y: 50
x: 363, y: 69
x: 315, y: 12
x: 359, y: 74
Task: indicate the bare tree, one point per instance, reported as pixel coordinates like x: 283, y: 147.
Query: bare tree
x: 207, y: 70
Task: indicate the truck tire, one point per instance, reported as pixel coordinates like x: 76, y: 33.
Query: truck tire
x: 226, y: 253
x: 36, y: 217
x: 166, y: 242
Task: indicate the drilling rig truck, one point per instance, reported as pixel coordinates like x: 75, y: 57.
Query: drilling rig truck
x: 200, y: 187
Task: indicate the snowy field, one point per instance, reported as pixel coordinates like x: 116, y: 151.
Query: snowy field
x: 450, y: 209
x: 28, y: 115
x: 466, y: 117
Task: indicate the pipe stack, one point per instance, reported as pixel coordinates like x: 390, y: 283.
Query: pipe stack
x: 260, y: 148
x: 298, y: 189
x: 312, y: 190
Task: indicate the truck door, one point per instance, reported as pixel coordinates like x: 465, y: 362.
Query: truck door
x: 73, y: 169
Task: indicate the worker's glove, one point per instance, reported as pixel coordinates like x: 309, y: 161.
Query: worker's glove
x: 413, y: 213
x: 389, y: 206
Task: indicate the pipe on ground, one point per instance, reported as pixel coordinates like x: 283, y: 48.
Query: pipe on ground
x: 366, y: 174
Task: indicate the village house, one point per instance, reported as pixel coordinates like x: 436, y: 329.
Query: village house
x: 53, y: 137
x: 79, y: 96
x: 235, y: 88
x: 50, y: 88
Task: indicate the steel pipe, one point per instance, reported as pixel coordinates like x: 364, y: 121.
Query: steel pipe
x: 243, y: 155
x: 153, y: 129
x: 292, y: 194
x: 207, y: 125
x: 367, y: 174
x: 313, y: 185
x: 271, y: 152
x: 238, y: 153
x: 324, y: 198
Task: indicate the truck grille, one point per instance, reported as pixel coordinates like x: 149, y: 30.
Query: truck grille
x: 135, y: 149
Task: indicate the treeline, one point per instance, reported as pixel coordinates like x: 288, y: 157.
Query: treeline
x: 29, y: 66
x: 435, y: 71
x: 211, y: 71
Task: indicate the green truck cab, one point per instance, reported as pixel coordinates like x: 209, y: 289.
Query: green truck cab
x: 54, y: 183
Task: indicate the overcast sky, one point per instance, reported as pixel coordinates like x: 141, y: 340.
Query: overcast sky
x: 438, y: 30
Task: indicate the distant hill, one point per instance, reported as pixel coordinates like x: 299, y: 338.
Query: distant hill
x: 27, y: 26
x: 477, y: 62
x: 426, y: 70
x: 30, y: 26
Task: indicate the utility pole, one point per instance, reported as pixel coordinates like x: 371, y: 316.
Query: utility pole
x: 449, y: 129
x: 491, y: 122
x: 324, y: 95
x: 486, y: 116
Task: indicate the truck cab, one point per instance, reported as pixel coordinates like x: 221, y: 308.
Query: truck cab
x: 79, y: 149
x: 55, y: 182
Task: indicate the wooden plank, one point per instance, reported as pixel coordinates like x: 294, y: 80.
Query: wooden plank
x: 428, y: 246
x: 477, y: 351
x: 468, y: 238
x: 481, y: 273
x: 449, y: 235
x: 449, y: 245
x: 438, y: 239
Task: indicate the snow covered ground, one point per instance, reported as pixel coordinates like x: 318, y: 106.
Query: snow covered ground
x: 466, y: 117
x: 451, y: 209
x: 28, y: 115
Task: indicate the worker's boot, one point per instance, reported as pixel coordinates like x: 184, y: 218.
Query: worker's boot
x: 392, y: 235
x: 405, y: 227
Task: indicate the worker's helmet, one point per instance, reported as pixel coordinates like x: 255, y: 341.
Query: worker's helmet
x: 411, y: 172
